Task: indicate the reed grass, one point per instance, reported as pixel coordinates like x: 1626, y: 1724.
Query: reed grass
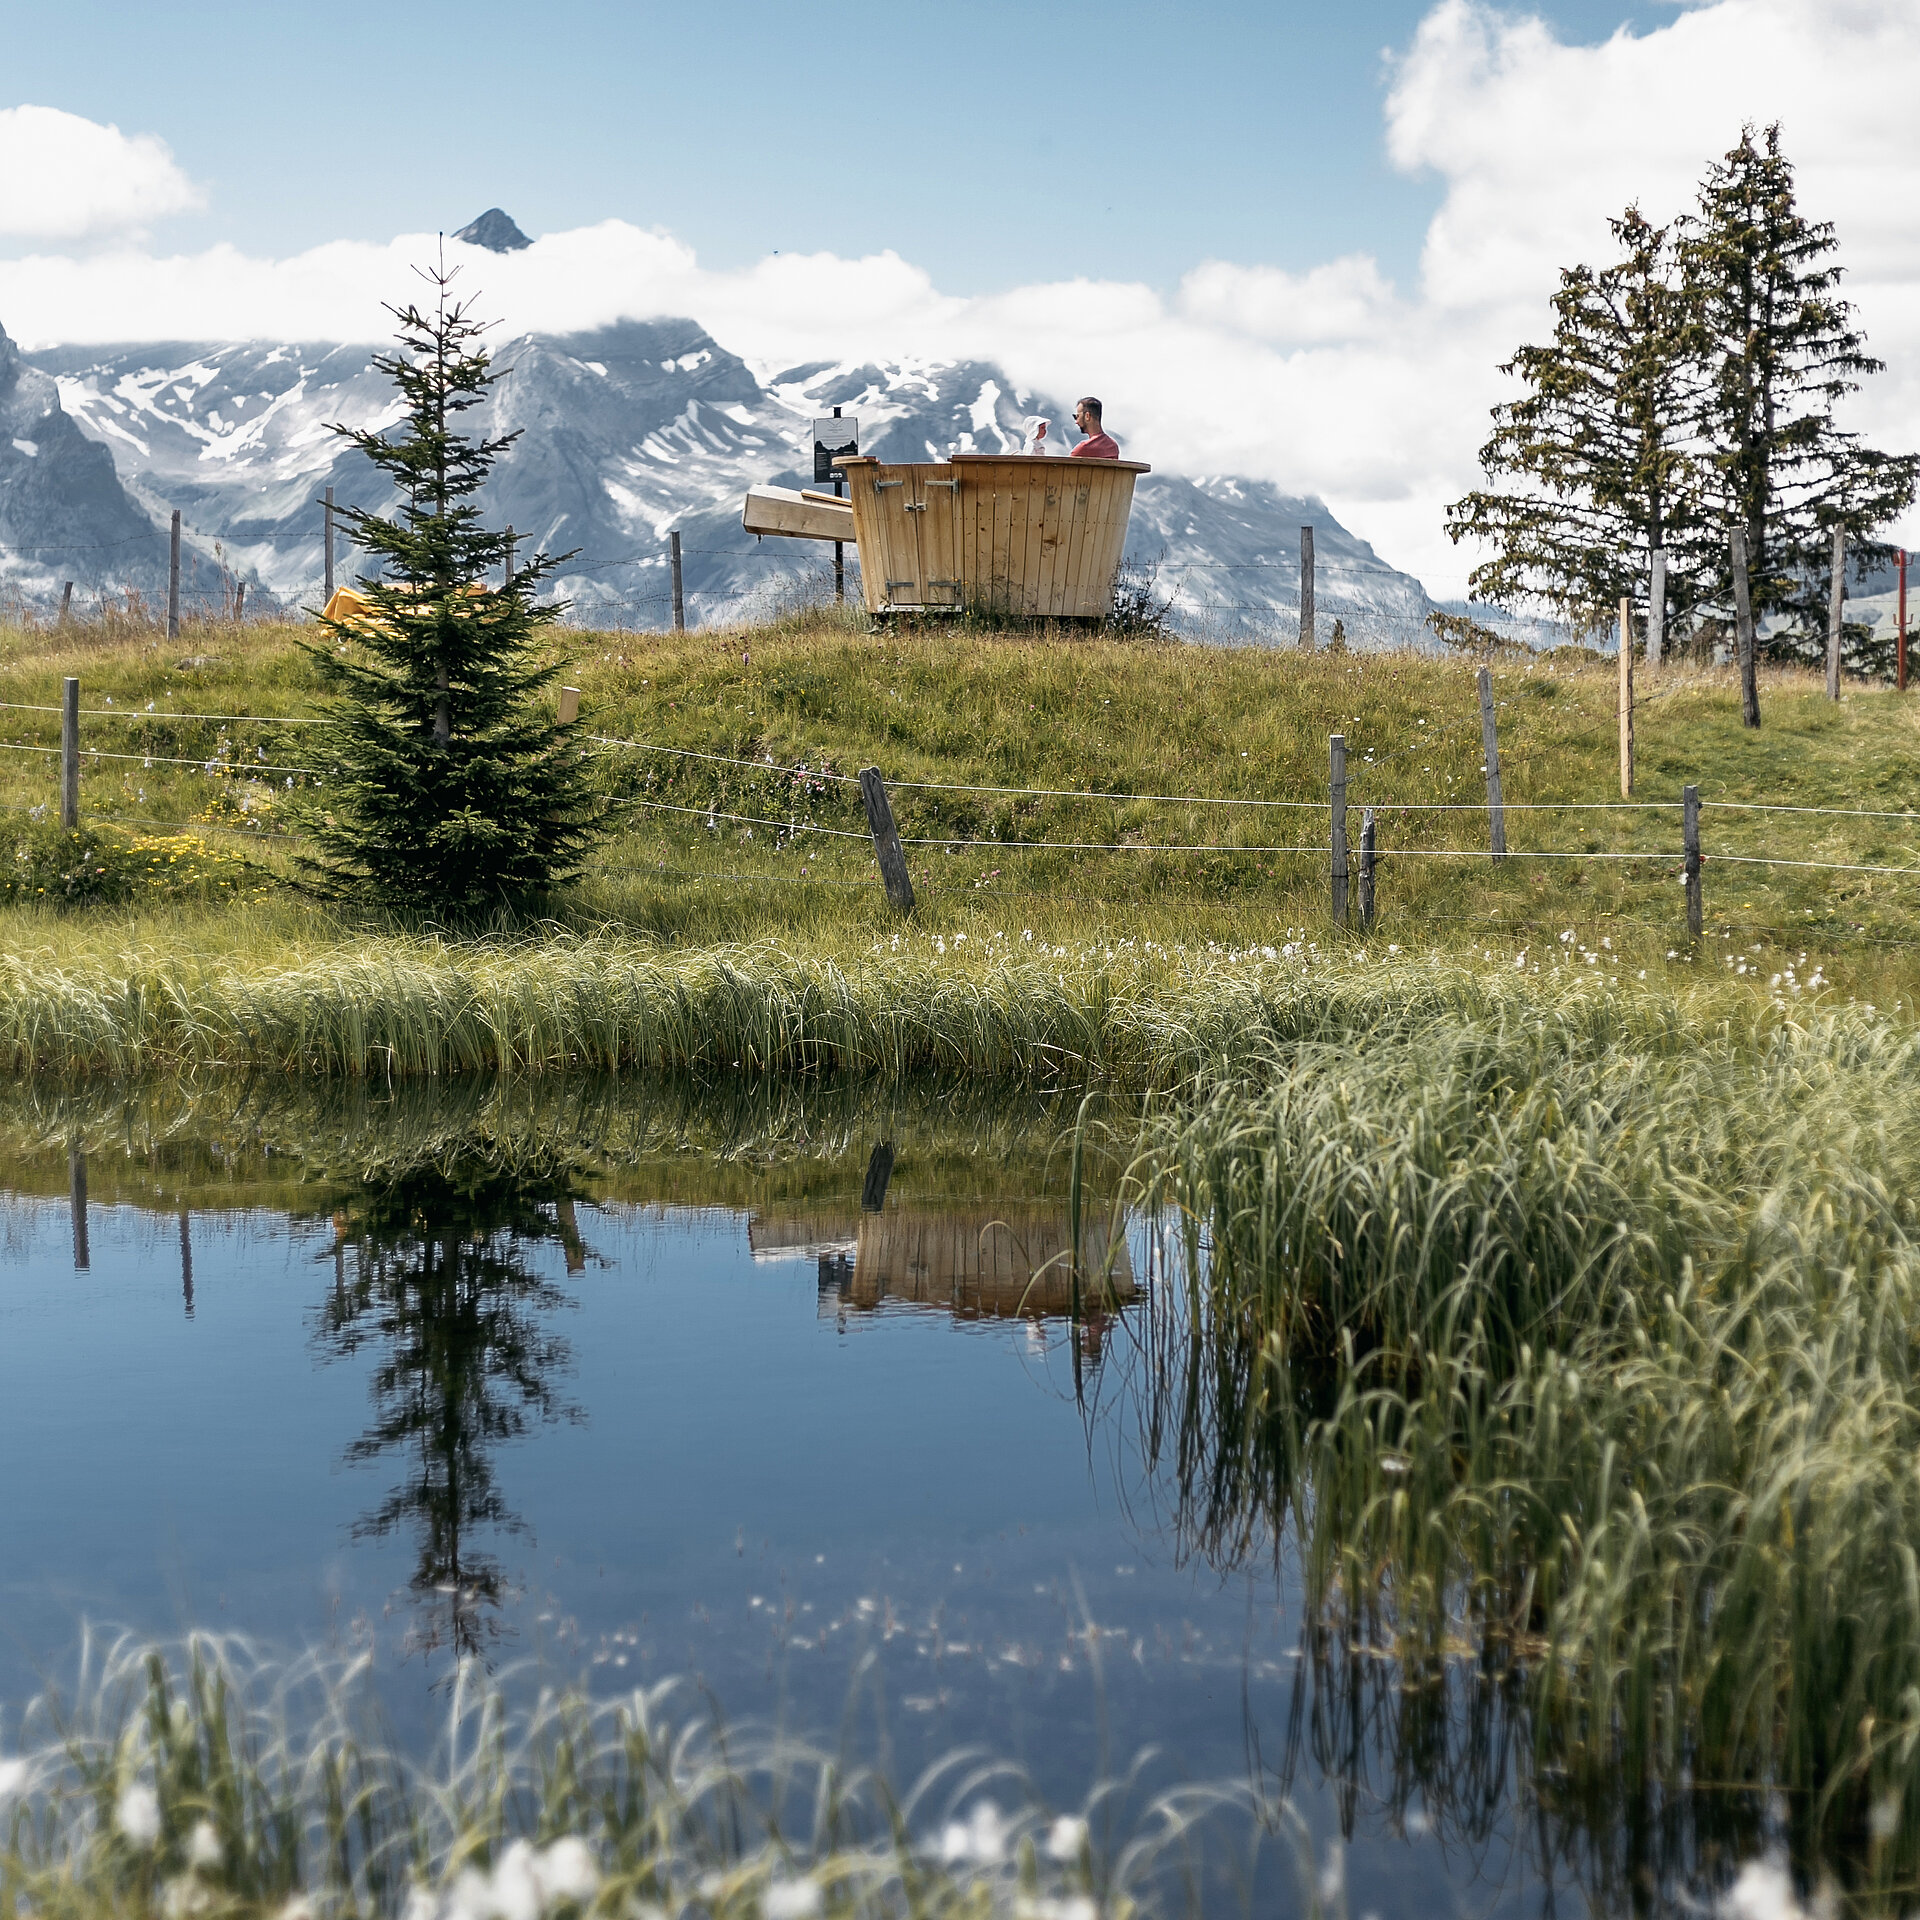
x: 1589, y: 1352
x: 206, y: 1780
x: 1137, y: 1014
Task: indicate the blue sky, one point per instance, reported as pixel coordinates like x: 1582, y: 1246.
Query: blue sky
x: 996, y: 144
x: 1291, y: 242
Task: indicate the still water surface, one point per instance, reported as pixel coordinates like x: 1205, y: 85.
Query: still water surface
x: 612, y: 1385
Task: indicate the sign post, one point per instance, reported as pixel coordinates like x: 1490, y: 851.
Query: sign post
x: 833, y: 441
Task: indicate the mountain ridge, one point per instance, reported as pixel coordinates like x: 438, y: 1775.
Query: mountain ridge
x: 628, y: 431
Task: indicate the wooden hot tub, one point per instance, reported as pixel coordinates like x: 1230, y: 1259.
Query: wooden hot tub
x: 1035, y: 536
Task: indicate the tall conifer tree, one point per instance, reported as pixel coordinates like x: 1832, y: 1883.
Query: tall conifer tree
x: 1589, y: 469
x: 1781, y: 350
x: 454, y: 787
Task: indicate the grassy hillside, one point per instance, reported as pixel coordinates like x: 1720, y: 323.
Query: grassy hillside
x: 985, y: 709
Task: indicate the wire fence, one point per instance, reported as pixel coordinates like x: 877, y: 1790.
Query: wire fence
x: 818, y: 779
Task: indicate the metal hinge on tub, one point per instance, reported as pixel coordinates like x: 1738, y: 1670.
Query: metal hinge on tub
x: 880, y: 486
x: 891, y: 584
x: 954, y: 484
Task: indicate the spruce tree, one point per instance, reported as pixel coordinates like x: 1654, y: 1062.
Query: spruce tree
x: 450, y: 784
x: 1781, y: 350
x: 1589, y: 469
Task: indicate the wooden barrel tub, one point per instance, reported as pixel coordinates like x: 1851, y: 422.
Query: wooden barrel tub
x: 1040, y: 537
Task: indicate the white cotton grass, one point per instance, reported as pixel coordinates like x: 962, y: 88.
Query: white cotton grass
x: 563, y: 1807
x: 136, y: 1812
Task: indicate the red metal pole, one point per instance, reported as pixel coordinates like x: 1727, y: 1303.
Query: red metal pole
x: 1901, y: 656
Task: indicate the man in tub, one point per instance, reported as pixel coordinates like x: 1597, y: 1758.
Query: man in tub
x: 1098, y: 445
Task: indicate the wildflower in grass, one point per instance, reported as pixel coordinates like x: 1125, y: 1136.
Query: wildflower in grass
x: 791, y: 1900
x: 1067, y: 1838
x: 137, y: 1814
x: 203, y: 1846
x: 13, y: 1780
x: 980, y: 1839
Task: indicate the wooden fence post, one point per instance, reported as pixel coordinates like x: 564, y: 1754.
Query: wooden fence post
x: 1657, y: 608
x: 70, y: 754
x: 77, y: 1200
x: 569, y: 705
x: 886, y: 839
x: 173, y: 580
x: 1690, y: 839
x: 1337, y: 758
x: 1743, y: 628
x: 66, y: 603
x: 1306, y: 589
x: 239, y: 602
x: 1626, y: 697
x: 326, y: 592
x: 679, y: 599
x: 1490, y: 752
x: 1836, y: 597
x: 1366, y: 870
x: 873, y: 1191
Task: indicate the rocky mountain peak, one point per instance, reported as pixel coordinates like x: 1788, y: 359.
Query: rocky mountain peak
x: 494, y: 230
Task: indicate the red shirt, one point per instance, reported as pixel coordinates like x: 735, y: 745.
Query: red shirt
x: 1098, y: 447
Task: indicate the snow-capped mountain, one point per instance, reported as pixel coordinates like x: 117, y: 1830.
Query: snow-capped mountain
x: 643, y: 427
x: 64, y: 514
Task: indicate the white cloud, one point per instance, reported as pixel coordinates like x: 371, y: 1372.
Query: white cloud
x: 1328, y: 381
x: 66, y: 178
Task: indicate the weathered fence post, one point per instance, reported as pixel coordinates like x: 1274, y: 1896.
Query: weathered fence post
x: 326, y: 592
x: 239, y: 602
x: 1366, y: 870
x: 70, y: 754
x: 1337, y: 757
x: 1306, y: 589
x: 679, y: 598
x: 569, y: 705
x: 77, y: 1200
x: 886, y: 840
x: 1657, y: 608
x: 1690, y: 839
x: 66, y: 603
x: 1836, y: 597
x: 1743, y: 628
x: 1626, y: 697
x: 873, y: 1191
x: 173, y: 580
x: 1490, y: 752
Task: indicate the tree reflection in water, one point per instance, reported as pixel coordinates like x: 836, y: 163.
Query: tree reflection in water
x: 434, y: 1272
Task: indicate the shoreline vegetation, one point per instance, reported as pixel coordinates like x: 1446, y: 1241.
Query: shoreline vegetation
x: 209, y: 1782
x: 1547, y: 1281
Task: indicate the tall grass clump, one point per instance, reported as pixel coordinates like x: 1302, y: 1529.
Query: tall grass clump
x: 207, y: 1780
x: 1138, y: 1013
x: 1595, y: 1359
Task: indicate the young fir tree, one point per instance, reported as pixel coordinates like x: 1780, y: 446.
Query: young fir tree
x: 1781, y: 350
x: 1589, y: 470
x: 455, y: 788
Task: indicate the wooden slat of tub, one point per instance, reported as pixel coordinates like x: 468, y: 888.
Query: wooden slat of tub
x: 868, y: 532
x: 1004, y: 584
x: 1010, y: 526
x: 1099, y: 539
x: 1050, y: 532
x: 1106, y: 534
x: 940, y: 535
x: 898, y: 554
x: 1074, y: 507
x: 1096, y: 573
